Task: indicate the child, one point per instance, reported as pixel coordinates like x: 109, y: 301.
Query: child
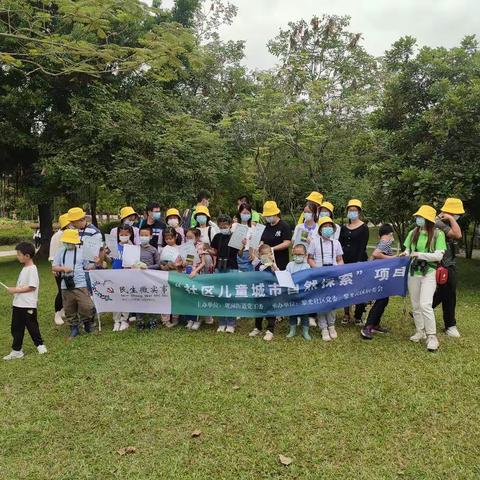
x: 78, y: 305
x: 225, y: 260
x: 299, y: 263
x: 382, y: 251
x: 192, y: 264
x: 25, y: 300
x: 325, y: 251
x: 265, y: 263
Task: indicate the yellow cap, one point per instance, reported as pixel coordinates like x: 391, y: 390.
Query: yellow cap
x: 174, y: 211
x: 76, y: 213
x: 315, y: 197
x: 324, y: 220
x: 126, y: 212
x: 63, y: 220
x: 70, y: 236
x: 270, y: 209
x: 354, y: 202
x: 427, y: 212
x: 453, y: 206
x: 328, y: 206
x: 202, y: 209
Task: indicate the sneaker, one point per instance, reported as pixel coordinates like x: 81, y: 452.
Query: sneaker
x: 312, y: 321
x: 358, y: 322
x: 42, y: 349
x: 221, y: 329
x: 306, y: 333
x: 58, y: 318
x: 88, y: 327
x: 366, y: 333
x: 345, y: 320
x: 209, y: 321
x: 13, y: 355
x: 379, y: 329
x: 325, y: 335
x: 418, y: 336
x: 230, y: 329
x: 190, y: 324
x: 132, y: 318
x: 74, y: 331
x: 152, y: 324
x: 254, y: 332
x: 116, y: 327
x: 268, y: 336
x: 453, y: 332
x: 195, y: 326
x: 292, y: 332
x: 432, y: 343
x: 332, y: 332
x: 140, y: 325
x: 123, y: 326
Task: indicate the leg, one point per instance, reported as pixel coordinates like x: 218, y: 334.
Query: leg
x: 71, y: 311
x: 33, y: 327
x: 58, y: 298
x: 292, y: 321
x: 449, y: 302
x: 258, y: 323
x: 414, y: 289
x: 18, y: 327
x: 322, y: 321
x: 86, y: 308
x: 231, y: 322
x: 305, y: 322
x: 376, y: 312
x: 271, y: 323
x: 428, y: 286
x: 359, y: 311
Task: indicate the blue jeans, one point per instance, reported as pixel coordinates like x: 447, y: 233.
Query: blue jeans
x: 244, y: 264
x: 303, y: 320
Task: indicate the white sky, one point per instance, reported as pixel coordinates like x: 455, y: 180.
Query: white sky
x: 432, y: 22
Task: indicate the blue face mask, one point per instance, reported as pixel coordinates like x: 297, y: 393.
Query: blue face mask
x: 352, y: 215
x: 202, y: 219
x: 327, y: 231
x: 420, y: 221
x: 156, y: 215
x: 245, y: 217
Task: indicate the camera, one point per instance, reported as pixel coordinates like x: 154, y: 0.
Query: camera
x: 69, y: 282
x: 418, y: 266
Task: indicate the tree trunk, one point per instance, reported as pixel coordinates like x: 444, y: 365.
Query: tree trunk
x: 46, y: 230
x: 93, y: 210
x: 469, y: 244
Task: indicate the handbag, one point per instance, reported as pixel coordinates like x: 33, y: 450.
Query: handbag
x: 441, y: 275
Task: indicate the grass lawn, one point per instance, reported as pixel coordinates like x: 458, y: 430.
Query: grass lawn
x: 349, y: 409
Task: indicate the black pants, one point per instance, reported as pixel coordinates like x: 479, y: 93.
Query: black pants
x: 58, y: 298
x: 358, y: 312
x: 447, y: 296
x: 376, y: 312
x: 21, y: 318
x: 270, y: 323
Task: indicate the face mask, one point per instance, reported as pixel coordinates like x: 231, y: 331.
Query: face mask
x: 69, y: 246
x: 124, y: 238
x: 456, y: 217
x: 202, y: 219
x: 420, y: 221
x: 173, y: 222
x: 190, y: 241
x: 324, y: 214
x: 299, y: 258
x: 225, y: 231
x: 327, y: 232
x: 144, y: 240
x: 129, y: 223
x: 352, y: 215
x: 156, y: 215
x: 266, y: 259
x: 269, y: 219
x: 308, y: 216
x: 245, y: 217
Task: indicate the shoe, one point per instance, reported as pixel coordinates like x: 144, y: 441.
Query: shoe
x: 332, y: 332
x: 418, y: 336
x: 230, y: 329
x: 42, y: 349
x: 432, y: 343
x: 345, y: 320
x: 221, y: 329
x: 312, y: 321
x: 453, y: 332
x: 172, y: 324
x: 140, y: 325
x: 190, y: 324
x: 325, y: 335
x: 88, y: 327
x: 292, y: 332
x: 379, y: 329
x: 74, y: 331
x: 196, y: 326
x: 116, y: 327
x: 268, y: 336
x: 152, y: 324
x: 123, y: 326
x: 254, y: 332
x: 14, y: 354
x: 306, y: 333
x: 358, y: 322
x: 58, y: 318
x: 133, y: 318
x: 366, y: 333
x: 209, y: 321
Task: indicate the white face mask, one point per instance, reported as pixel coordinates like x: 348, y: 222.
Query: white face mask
x: 190, y: 241
x: 144, y: 240
x: 225, y: 231
x: 124, y: 238
x: 308, y: 216
x: 173, y: 222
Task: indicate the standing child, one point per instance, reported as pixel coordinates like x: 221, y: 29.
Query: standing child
x: 325, y: 251
x: 298, y: 264
x: 25, y: 300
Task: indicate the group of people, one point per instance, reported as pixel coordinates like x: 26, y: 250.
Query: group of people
x: 316, y: 242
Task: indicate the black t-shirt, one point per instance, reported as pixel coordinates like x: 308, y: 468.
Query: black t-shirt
x: 157, y: 228
x: 354, y: 243
x: 274, y: 235
x: 220, y: 244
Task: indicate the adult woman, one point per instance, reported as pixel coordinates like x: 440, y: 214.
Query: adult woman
x: 326, y: 210
x: 426, y: 245
x: 244, y: 215
x: 314, y: 197
x: 173, y: 220
x: 128, y: 216
x: 305, y: 232
x: 202, y: 222
x: 354, y: 240
x: 277, y: 234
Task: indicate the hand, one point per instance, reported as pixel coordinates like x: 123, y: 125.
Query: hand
x: 12, y: 290
x: 192, y: 275
x: 414, y: 254
x: 445, y: 216
x: 244, y: 242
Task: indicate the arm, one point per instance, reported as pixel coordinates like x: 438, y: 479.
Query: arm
x: 282, y: 246
x: 311, y: 261
x: 454, y: 232
x: 379, y: 255
x: 199, y: 268
x: 156, y: 261
x: 339, y: 260
x: 436, y: 256
x: 14, y: 290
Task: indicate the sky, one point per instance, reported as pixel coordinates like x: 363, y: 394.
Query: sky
x: 381, y: 22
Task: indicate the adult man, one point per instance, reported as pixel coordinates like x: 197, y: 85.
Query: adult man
x: 447, y: 294
x: 154, y: 223
x: 78, y: 219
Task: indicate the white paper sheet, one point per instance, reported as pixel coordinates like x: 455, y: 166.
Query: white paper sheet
x: 239, y: 234
x: 169, y: 254
x: 112, y: 245
x: 131, y: 255
x: 91, y: 248
x: 284, y: 279
x: 256, y: 236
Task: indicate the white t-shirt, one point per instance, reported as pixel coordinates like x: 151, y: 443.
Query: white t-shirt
x: 28, y: 278
x: 330, y: 248
x: 204, y: 238
x: 54, y: 244
x: 301, y: 233
x: 294, y: 267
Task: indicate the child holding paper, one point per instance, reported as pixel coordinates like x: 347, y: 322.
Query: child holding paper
x: 245, y: 217
x: 25, y: 299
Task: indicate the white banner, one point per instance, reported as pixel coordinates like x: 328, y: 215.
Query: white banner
x: 135, y: 291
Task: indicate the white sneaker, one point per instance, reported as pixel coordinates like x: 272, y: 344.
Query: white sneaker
x: 230, y: 329
x: 312, y: 321
x: 42, y: 349
x: 221, y: 329
x: 171, y: 324
x: 254, y: 332
x: 432, y: 343
x: 453, y: 332
x: 332, y: 332
x: 133, y: 318
x: 418, y: 336
x: 196, y: 326
x: 14, y: 354
x: 116, y: 326
x: 325, y: 335
x: 190, y: 324
x: 123, y: 326
x: 209, y: 321
x: 58, y: 318
x: 268, y: 336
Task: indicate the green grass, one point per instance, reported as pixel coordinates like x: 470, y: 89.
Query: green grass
x: 350, y: 409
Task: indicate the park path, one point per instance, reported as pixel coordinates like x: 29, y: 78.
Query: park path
x: 8, y: 253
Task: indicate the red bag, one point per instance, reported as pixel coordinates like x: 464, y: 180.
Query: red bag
x: 442, y: 275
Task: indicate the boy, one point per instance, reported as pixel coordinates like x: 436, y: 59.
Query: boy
x: 25, y: 299
x: 299, y: 253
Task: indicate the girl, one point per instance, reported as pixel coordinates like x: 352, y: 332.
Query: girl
x: 306, y: 231
x: 426, y: 245
x: 325, y: 251
x: 128, y: 216
x: 244, y: 214
x: 354, y: 240
x: 326, y: 210
x: 173, y: 220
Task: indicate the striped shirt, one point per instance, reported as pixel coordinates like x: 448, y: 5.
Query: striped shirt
x: 90, y: 231
x: 385, y: 246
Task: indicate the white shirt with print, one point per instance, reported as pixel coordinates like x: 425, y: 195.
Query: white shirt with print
x: 28, y: 278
